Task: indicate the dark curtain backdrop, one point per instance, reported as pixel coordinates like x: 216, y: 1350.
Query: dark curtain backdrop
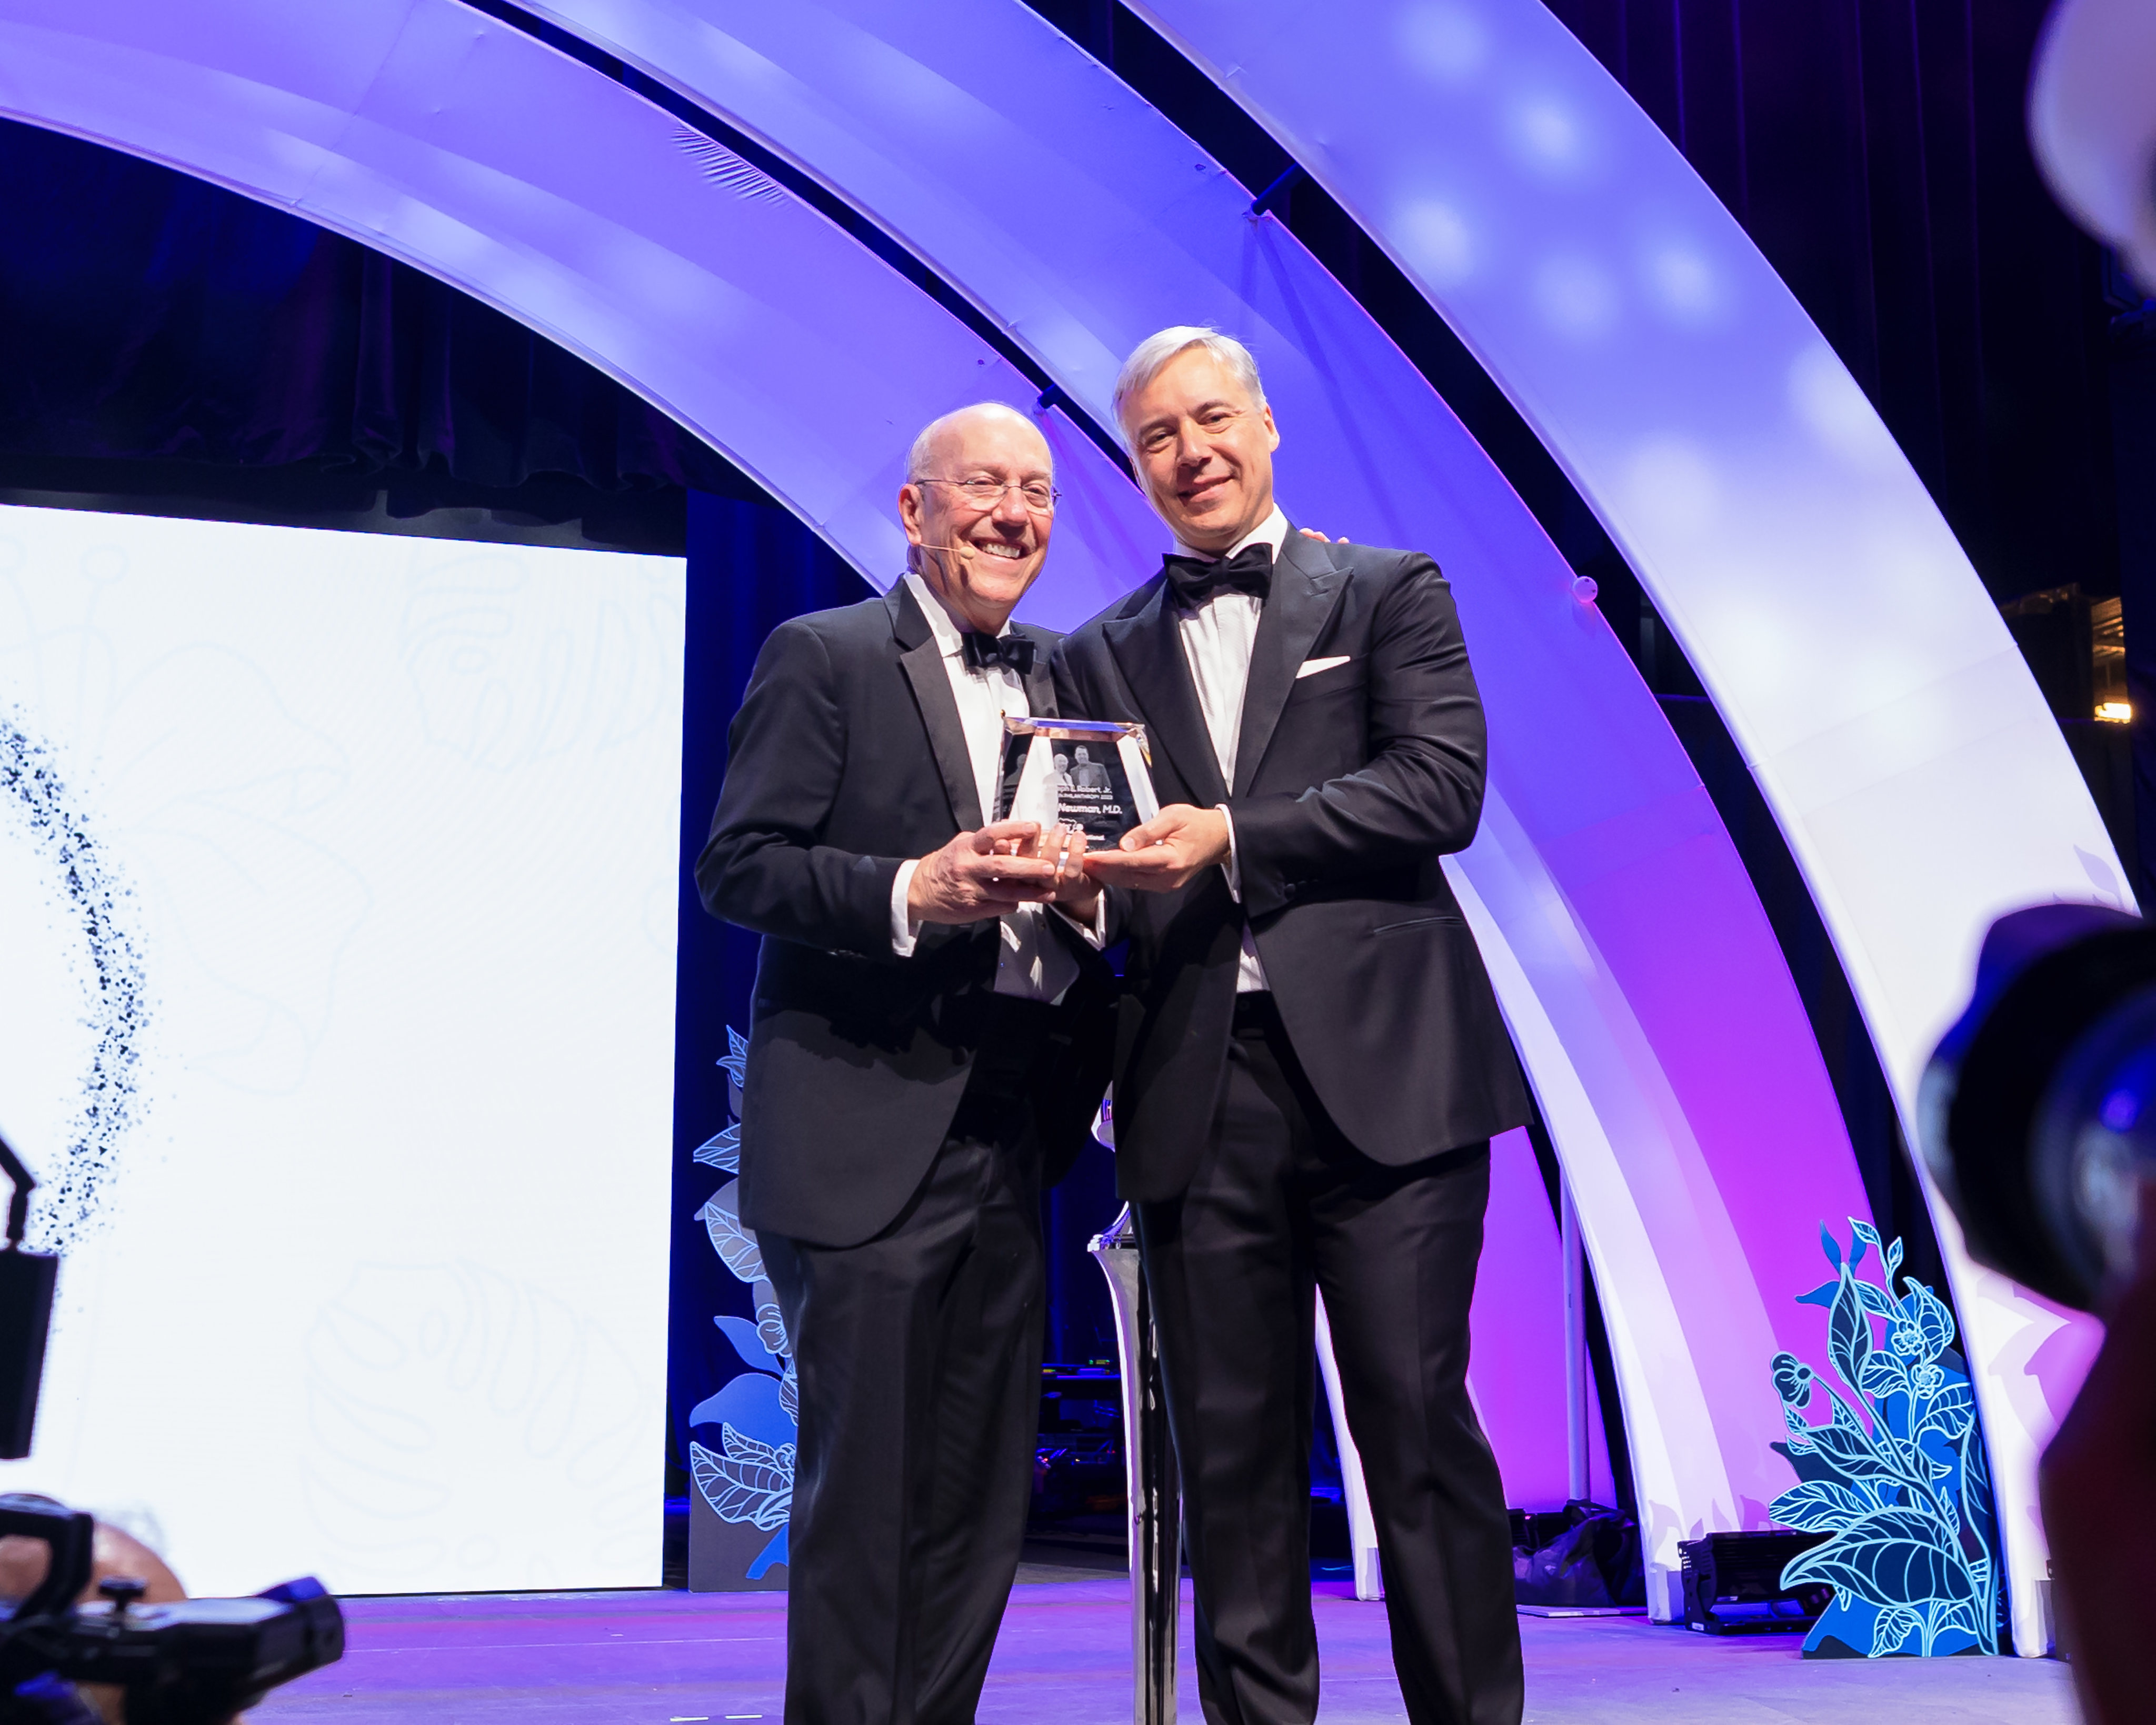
x: 751, y: 566
x: 152, y: 318
x: 1876, y: 151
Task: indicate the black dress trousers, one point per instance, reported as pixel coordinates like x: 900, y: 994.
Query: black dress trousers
x: 1280, y: 1202
x: 918, y: 1357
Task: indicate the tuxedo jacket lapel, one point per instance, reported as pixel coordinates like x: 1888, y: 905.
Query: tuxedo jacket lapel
x: 1306, y: 588
x: 922, y: 662
x: 1149, y: 648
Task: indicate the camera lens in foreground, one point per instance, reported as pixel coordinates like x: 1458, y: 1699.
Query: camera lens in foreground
x: 2038, y: 1111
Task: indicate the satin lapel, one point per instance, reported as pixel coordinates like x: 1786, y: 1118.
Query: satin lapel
x: 923, y: 664
x: 1150, y: 651
x: 1306, y: 587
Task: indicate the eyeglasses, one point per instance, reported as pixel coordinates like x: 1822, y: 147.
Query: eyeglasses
x: 988, y: 493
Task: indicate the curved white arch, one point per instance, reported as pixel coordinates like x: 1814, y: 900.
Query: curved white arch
x: 468, y: 149
x: 1685, y: 1055
x: 1916, y: 773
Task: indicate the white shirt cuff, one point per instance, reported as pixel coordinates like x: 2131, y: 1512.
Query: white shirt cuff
x: 1231, y: 868
x: 904, y: 930
x: 1094, y: 931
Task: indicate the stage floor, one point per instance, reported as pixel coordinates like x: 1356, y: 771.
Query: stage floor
x: 667, y: 1658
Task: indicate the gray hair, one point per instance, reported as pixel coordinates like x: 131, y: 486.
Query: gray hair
x: 1149, y: 357
x: 924, y: 446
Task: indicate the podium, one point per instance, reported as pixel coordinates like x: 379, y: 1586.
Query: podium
x: 1149, y: 1473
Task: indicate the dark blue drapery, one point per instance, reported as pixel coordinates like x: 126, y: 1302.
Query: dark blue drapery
x: 751, y: 566
x: 150, y: 317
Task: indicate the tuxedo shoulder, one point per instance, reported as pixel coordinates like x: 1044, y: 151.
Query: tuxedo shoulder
x: 1382, y: 562
x: 866, y: 620
x: 841, y: 634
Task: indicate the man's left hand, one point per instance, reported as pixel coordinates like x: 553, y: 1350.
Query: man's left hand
x: 1170, y: 850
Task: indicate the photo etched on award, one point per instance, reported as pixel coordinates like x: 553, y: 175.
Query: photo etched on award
x: 1094, y: 774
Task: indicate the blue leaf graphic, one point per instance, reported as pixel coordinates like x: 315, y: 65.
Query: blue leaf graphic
x: 752, y: 1403
x: 1877, y: 1301
x: 1952, y: 1411
x: 770, y: 1321
x: 1883, y: 1375
x: 1935, y: 1322
x: 1849, y: 1333
x: 772, y: 1554
x: 1817, y: 1506
x: 748, y: 1343
x: 750, y: 1482
x: 722, y: 1151
x: 1846, y: 1445
x: 1906, y: 1502
x: 1864, y: 1231
x: 1892, y: 1557
x: 734, y: 1244
x: 735, y: 1059
x: 1830, y: 1246
x: 1891, y: 1629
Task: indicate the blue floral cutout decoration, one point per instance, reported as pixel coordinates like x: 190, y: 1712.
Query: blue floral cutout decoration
x: 749, y: 1478
x: 1894, y: 1475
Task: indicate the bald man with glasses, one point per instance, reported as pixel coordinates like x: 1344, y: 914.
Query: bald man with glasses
x: 930, y: 1040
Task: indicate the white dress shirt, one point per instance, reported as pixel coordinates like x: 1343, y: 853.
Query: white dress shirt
x: 1218, y: 636
x: 1031, y: 963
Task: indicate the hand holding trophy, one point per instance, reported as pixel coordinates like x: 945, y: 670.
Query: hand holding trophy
x: 1086, y: 782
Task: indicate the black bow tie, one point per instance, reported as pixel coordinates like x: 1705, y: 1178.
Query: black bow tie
x: 982, y: 651
x: 1196, y: 579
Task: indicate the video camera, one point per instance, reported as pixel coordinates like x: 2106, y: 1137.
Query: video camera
x: 2037, y: 1116
x: 191, y: 1662
x: 26, y: 1279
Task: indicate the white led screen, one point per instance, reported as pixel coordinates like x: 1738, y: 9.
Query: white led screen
x: 338, y: 899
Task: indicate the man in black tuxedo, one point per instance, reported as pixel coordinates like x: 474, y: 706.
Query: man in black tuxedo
x: 1311, y: 1061
x: 929, y: 1042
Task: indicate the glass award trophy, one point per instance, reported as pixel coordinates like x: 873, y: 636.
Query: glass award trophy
x: 1094, y: 774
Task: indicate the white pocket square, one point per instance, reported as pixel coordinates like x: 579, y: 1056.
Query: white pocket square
x: 1310, y: 667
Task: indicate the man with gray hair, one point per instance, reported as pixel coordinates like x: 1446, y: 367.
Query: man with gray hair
x: 1312, y: 1062
x: 928, y: 1048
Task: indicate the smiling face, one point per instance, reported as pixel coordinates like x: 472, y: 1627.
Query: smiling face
x: 978, y: 558
x: 1203, y: 447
